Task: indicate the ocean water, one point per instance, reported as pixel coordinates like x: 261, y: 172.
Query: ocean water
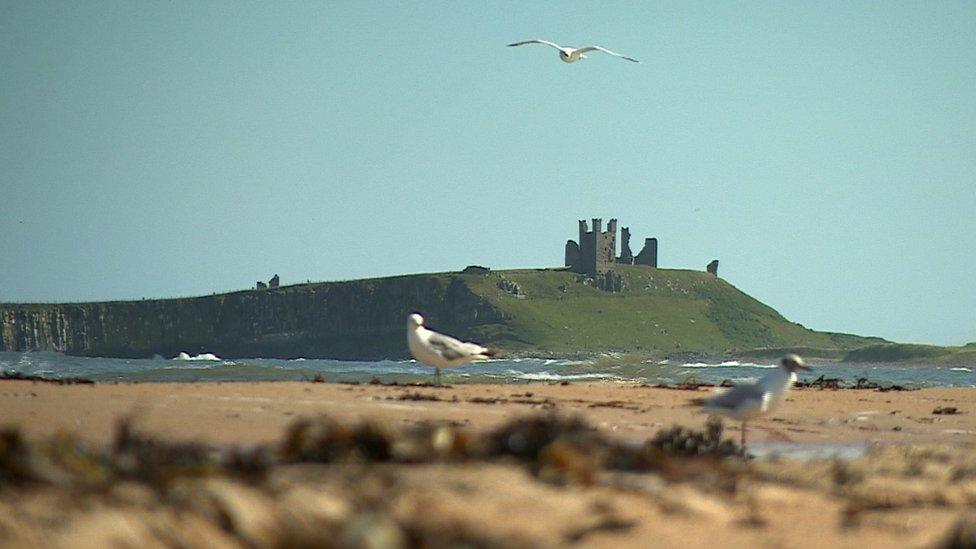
x: 188, y: 368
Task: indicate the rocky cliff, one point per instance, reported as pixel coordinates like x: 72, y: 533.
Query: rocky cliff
x: 358, y: 319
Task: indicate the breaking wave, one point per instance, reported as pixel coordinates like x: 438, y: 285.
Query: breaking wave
x: 209, y: 357
x: 727, y: 364
x: 549, y: 376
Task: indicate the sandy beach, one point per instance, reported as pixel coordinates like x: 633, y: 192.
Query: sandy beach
x: 247, y: 413
x: 914, y: 486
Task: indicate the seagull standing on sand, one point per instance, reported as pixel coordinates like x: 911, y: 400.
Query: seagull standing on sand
x: 749, y: 401
x: 439, y: 350
x: 572, y: 55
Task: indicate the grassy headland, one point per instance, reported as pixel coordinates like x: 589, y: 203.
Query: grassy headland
x: 529, y: 312
x: 658, y: 312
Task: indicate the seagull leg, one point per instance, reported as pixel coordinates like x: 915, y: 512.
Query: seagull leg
x: 742, y: 441
x: 437, y: 376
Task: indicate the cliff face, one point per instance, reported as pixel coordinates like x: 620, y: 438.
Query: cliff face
x: 363, y: 319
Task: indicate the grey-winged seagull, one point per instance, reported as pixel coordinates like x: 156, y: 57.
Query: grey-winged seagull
x: 439, y: 350
x: 751, y: 400
x: 572, y: 55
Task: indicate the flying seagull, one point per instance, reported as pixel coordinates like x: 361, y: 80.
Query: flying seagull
x: 751, y: 400
x: 572, y: 55
x: 439, y: 350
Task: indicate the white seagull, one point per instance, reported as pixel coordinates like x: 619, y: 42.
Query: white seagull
x: 749, y: 401
x: 572, y: 55
x: 439, y: 350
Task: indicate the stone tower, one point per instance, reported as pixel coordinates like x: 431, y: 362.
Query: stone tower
x: 597, y: 248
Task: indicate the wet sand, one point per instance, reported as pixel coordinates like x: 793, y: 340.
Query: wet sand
x: 911, y: 489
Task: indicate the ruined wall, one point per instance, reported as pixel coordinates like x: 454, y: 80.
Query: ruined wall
x: 346, y: 320
x: 572, y: 255
x: 648, y: 255
x: 626, y: 256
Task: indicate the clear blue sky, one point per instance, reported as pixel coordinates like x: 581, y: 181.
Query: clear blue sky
x: 824, y: 152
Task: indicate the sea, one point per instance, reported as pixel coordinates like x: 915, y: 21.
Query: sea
x: 606, y: 367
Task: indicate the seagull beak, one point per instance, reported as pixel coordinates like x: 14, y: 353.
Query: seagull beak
x: 804, y: 367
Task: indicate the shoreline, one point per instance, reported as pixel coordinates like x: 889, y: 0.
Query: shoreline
x: 965, y: 356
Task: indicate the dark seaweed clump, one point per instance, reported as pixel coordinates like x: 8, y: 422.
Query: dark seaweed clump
x: 15, y: 459
x: 961, y: 536
x: 822, y: 382
x: 525, y: 438
x: 569, y: 449
x: 325, y: 440
x: 946, y: 410
x: 18, y: 376
x: 157, y: 462
x: 682, y: 441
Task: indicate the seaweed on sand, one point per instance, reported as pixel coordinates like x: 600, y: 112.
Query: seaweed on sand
x: 229, y: 486
x: 558, y: 449
x: 945, y: 410
x: 553, y: 446
x: 962, y: 535
x: 158, y: 462
x: 16, y: 460
x: 66, y: 461
x: 18, y: 376
x: 683, y: 441
x: 680, y: 453
x: 821, y: 383
x: 325, y: 440
x: 561, y: 449
x: 524, y: 438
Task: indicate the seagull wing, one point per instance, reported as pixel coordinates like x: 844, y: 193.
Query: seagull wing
x: 452, y: 349
x: 604, y: 50
x: 547, y: 43
x: 733, y: 398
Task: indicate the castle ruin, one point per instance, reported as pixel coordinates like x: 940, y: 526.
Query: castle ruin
x: 272, y: 284
x: 596, y: 250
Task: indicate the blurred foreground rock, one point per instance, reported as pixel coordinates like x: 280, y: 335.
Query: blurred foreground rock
x: 544, y: 480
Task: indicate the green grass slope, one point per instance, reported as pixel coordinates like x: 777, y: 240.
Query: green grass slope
x: 658, y: 312
x: 909, y: 352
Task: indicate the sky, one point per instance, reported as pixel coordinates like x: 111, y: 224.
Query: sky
x: 824, y: 152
